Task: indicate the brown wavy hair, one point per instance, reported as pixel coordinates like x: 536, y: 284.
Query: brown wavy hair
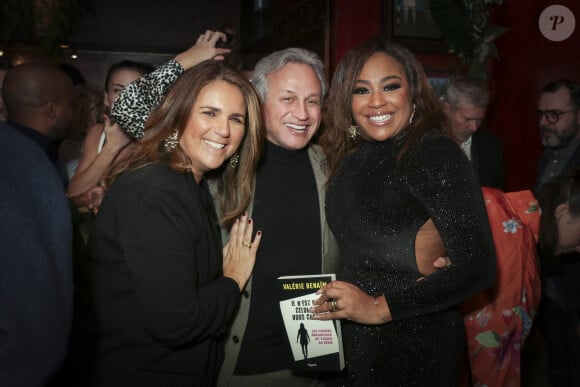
x: 428, y: 115
x: 234, y: 184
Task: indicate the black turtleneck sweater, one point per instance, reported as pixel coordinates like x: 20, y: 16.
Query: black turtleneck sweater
x: 286, y: 209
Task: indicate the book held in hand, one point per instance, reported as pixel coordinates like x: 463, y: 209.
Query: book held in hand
x: 316, y: 345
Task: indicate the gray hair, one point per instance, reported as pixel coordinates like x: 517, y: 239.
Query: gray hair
x: 278, y: 59
x: 466, y: 90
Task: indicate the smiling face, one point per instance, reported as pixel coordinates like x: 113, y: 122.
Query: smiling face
x: 381, y: 99
x: 215, y: 127
x: 291, y: 110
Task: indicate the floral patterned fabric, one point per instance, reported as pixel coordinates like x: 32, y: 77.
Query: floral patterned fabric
x: 499, y: 320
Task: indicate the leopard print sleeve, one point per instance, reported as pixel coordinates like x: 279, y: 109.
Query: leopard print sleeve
x: 140, y: 97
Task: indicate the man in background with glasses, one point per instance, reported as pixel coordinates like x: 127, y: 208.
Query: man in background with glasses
x: 559, y: 318
x: 559, y: 120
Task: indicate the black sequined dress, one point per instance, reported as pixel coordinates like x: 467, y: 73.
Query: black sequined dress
x: 375, y: 205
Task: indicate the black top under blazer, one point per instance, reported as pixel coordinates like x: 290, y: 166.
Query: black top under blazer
x: 487, y: 159
x: 155, y: 302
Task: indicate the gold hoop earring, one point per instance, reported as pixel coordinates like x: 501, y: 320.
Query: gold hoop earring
x: 171, y: 142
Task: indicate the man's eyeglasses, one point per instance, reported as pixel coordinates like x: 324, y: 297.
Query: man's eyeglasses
x: 552, y: 116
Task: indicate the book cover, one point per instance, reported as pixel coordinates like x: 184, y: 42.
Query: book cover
x: 316, y: 345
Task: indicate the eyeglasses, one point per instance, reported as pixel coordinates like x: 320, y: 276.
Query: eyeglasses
x: 552, y: 116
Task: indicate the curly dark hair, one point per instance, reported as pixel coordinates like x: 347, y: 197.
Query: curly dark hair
x: 428, y: 114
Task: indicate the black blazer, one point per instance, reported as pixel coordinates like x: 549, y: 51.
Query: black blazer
x: 487, y: 159
x: 36, y: 279
x: 156, y: 303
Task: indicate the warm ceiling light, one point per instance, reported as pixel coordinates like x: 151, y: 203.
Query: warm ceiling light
x: 64, y: 46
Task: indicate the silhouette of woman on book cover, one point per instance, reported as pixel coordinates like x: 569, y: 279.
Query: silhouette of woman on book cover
x: 304, y: 339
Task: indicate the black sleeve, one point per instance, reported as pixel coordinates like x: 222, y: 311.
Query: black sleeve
x: 444, y: 181
x: 176, y: 271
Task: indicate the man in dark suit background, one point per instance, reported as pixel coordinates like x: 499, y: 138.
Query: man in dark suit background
x: 35, y: 227
x: 559, y: 318
x: 465, y: 103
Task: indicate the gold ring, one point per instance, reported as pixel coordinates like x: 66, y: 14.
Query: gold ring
x: 334, y: 306
x: 248, y: 245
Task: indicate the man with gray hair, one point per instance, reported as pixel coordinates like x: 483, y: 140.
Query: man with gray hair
x: 465, y: 103
x: 291, y: 87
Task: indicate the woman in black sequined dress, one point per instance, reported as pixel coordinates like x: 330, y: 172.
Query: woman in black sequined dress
x: 401, y: 192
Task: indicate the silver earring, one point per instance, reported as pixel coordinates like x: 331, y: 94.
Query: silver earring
x: 352, y: 131
x: 171, y: 142
x: 412, y: 114
x: 234, y: 160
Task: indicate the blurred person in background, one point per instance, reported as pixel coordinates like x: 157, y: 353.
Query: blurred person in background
x: 36, y: 286
x: 4, y: 67
x: 465, y: 103
x: 558, y: 114
x: 104, y: 141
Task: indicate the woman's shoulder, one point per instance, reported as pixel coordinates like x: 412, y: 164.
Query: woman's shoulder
x: 156, y: 184
x: 436, y: 143
x: 152, y: 178
x: 430, y: 142
x: 436, y: 136
x: 154, y: 174
x: 434, y: 153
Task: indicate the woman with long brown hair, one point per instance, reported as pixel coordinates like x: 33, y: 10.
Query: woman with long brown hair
x: 159, y: 291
